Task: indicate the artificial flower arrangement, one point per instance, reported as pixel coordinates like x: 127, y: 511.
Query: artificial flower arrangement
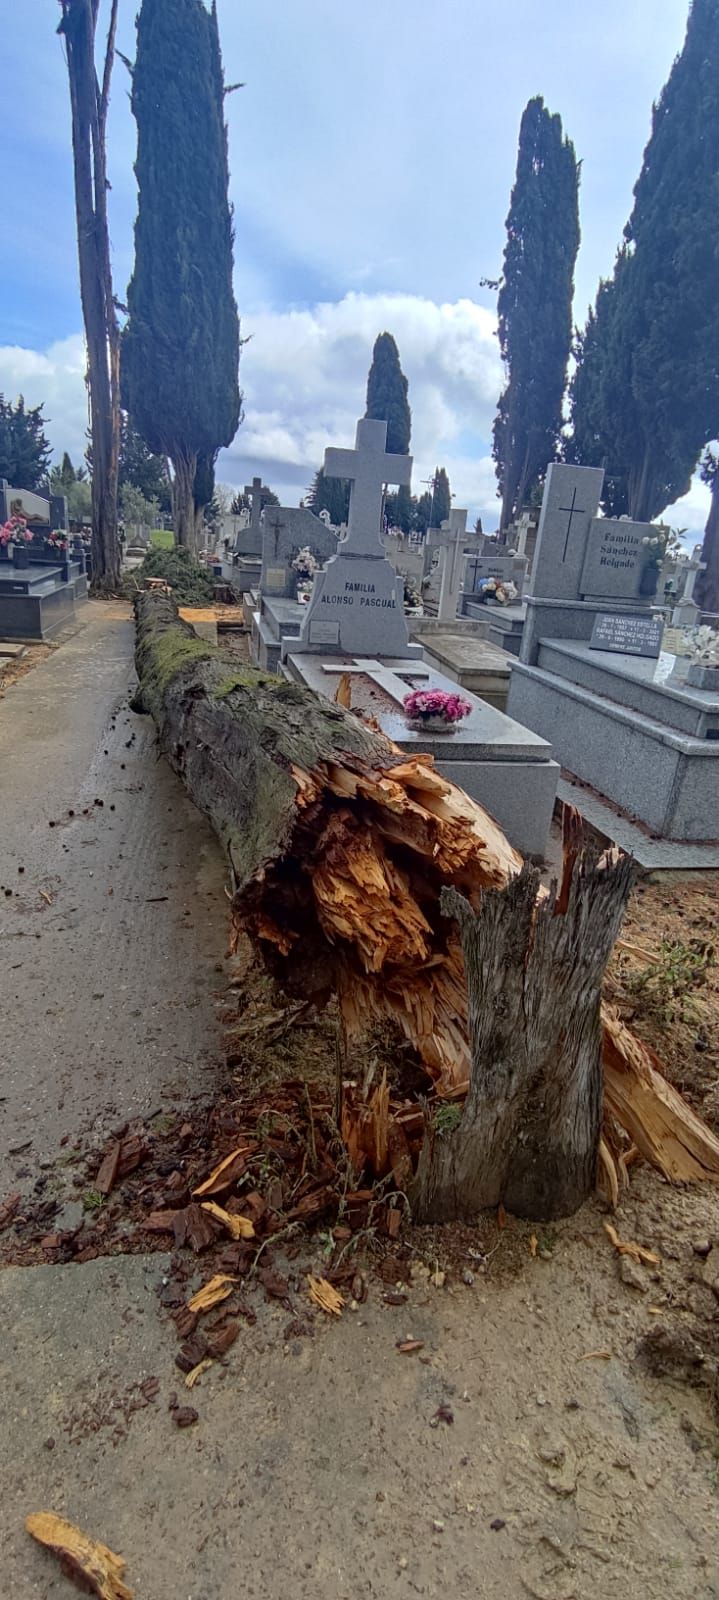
x: 493, y: 589
x: 15, y: 531
x: 58, y: 539
x: 703, y: 645
x: 655, y: 545
x: 435, y: 708
x: 304, y: 566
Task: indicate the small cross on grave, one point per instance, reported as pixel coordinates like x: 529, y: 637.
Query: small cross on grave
x: 276, y: 527
x: 369, y: 468
x: 454, y: 532
x: 253, y: 491
x: 574, y: 511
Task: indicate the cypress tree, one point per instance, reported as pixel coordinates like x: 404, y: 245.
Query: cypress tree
x: 181, y: 346
x: 707, y: 583
x: 387, y: 395
x: 24, y: 451
x: 441, y: 498
x: 329, y: 494
x: 534, y: 305
x: 645, y: 399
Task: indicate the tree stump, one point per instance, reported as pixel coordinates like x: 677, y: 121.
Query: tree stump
x: 529, y: 1132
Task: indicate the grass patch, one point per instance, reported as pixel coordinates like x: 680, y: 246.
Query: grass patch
x: 162, y: 539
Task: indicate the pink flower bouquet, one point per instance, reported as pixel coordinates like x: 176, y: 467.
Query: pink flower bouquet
x: 15, y: 531
x: 427, y: 706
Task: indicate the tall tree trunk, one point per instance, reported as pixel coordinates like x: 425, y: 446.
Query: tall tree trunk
x: 340, y: 848
x: 183, y: 499
x: 529, y: 1132
x: 89, y: 115
x: 643, y: 499
x: 706, y: 591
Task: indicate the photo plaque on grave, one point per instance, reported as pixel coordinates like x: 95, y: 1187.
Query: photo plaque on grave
x: 628, y: 636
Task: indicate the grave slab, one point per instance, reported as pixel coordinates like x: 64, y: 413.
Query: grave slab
x: 503, y: 766
x: 473, y: 663
x: 654, y: 855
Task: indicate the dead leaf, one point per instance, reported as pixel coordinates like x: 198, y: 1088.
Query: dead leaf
x: 212, y: 1292
x: 225, y: 1173
x: 81, y: 1557
x: 626, y: 1248
x: 237, y: 1227
x: 202, y: 1366
x: 324, y: 1296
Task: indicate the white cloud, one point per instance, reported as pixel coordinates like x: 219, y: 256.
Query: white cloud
x: 304, y: 374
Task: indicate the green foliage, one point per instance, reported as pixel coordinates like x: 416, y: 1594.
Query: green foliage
x: 664, y: 986
x: 75, y: 486
x: 645, y: 398
x: 329, y: 494
x: 135, y: 509
x: 162, y: 539
x: 192, y: 584
x: 535, y: 305
x: 446, y: 1119
x: 387, y: 395
x: 24, y: 449
x: 181, y: 346
x: 140, y: 469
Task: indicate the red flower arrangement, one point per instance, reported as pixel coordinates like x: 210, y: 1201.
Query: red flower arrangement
x: 422, y: 704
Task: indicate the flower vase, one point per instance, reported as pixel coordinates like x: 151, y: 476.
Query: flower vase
x: 649, y: 581
x: 20, y: 554
x: 432, y: 725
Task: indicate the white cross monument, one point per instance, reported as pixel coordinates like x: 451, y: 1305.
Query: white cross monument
x: 452, y: 544
x: 357, y: 604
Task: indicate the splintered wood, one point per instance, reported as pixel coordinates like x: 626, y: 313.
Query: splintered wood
x: 89, y: 1563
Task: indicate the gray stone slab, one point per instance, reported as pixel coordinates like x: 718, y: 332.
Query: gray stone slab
x: 37, y: 614
x: 628, y: 636
x: 283, y: 618
x: 357, y: 608
x: 646, y: 686
x: 564, y: 619
x: 286, y: 531
x: 668, y: 780
x: 473, y: 663
x: 655, y: 855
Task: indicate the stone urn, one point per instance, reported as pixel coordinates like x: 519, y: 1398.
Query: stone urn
x: 649, y: 580
x: 20, y: 553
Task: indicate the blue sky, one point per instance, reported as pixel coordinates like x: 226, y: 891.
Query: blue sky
x: 372, y: 154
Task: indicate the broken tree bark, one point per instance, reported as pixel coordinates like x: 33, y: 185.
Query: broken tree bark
x: 530, y: 1126
x: 340, y: 848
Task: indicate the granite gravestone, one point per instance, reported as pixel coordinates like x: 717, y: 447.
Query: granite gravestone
x: 357, y: 604
x: 506, y: 569
x: 285, y: 531
x: 617, y: 564
x: 569, y: 507
x: 249, y: 539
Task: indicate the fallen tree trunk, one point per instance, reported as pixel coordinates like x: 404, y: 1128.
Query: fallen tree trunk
x: 340, y: 848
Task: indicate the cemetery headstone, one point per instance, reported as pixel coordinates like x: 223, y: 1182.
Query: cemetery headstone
x: 455, y: 531
x: 505, y: 568
x: 285, y: 531
x: 570, y: 505
x: 618, y: 563
x: 249, y: 538
x: 357, y: 604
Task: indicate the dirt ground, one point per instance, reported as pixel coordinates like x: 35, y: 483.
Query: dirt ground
x: 555, y: 1431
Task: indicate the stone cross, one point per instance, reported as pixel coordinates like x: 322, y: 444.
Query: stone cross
x: 569, y: 507
x: 453, y: 543
x: 523, y: 526
x: 253, y: 491
x: 369, y: 468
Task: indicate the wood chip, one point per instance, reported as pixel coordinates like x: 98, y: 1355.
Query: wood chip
x: 8, y: 1209
x: 324, y: 1296
x: 212, y: 1292
x: 227, y: 1171
x: 237, y: 1227
x: 160, y: 1221
x: 408, y: 1347
x: 635, y: 1251
x: 84, y: 1560
x: 184, y: 1416
x: 533, y: 1245
x: 597, y: 1355
x: 202, y: 1366
x: 222, y: 1340
x: 133, y: 1150
x: 192, y: 1227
